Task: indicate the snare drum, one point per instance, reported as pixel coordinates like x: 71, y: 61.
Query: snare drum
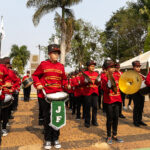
x: 27, y: 82
x: 7, y: 101
x: 58, y: 96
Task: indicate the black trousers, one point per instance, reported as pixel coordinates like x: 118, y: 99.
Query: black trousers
x: 138, y: 101
x: 112, y: 114
x: 50, y: 134
x: 74, y: 105
x: 99, y: 97
x: 40, y: 101
x: 5, y: 117
x: 70, y: 100
x: 15, y: 101
x: 91, y: 101
x: 80, y: 101
x: 123, y: 101
x: 26, y: 92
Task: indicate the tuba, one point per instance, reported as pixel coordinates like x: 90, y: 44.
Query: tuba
x: 130, y: 82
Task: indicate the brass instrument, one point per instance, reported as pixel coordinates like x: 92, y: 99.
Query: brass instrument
x: 112, y: 80
x: 130, y: 82
x: 87, y: 78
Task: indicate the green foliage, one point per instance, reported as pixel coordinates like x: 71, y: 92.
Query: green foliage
x: 43, y: 7
x: 85, y: 44
x: 143, y: 8
x: 124, y: 35
x: 20, y: 56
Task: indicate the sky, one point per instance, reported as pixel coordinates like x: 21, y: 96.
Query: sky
x: 19, y: 28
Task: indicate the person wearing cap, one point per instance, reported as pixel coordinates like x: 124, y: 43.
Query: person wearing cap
x: 90, y: 94
x: 119, y: 73
x: 103, y: 74
x: 26, y: 91
x: 112, y: 99
x: 50, y: 75
x: 5, y: 81
x: 7, y: 112
x: 138, y: 99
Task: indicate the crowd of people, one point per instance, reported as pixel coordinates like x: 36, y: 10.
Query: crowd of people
x: 86, y: 87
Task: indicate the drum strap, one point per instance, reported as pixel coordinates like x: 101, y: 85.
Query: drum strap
x: 57, y: 114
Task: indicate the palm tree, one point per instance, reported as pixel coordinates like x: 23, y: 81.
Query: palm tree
x: 45, y: 6
x: 20, y: 56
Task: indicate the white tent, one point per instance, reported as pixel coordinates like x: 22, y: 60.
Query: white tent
x: 143, y: 58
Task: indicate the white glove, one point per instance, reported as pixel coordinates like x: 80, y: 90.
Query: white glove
x: 109, y: 83
x: 143, y: 85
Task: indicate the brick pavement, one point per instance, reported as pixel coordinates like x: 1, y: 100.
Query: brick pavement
x: 25, y: 134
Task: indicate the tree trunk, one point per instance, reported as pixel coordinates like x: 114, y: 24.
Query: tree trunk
x: 63, y: 39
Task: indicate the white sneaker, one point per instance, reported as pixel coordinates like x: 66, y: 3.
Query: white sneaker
x: 48, y: 145
x: 8, y: 124
x: 4, y: 132
x: 124, y: 108
x: 129, y: 107
x: 57, y: 144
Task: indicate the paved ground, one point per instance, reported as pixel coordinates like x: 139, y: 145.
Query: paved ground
x: 25, y: 134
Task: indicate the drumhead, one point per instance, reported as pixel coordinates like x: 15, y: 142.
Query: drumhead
x: 58, y: 96
x: 27, y: 82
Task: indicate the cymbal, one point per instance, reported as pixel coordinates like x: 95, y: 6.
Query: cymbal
x: 130, y: 82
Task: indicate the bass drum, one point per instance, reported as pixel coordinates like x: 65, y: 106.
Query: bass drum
x: 27, y: 82
x: 7, y: 101
x: 58, y: 96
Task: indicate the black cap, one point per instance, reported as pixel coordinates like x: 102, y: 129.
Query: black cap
x: 108, y: 64
x: 91, y: 62
x: 53, y: 48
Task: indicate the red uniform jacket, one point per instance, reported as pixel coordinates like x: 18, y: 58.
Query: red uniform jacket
x: 25, y: 77
x: 79, y: 89
x: 91, y: 88
x: 109, y: 96
x: 147, y: 81
x: 13, y: 80
x: 4, y: 77
x: 51, y: 76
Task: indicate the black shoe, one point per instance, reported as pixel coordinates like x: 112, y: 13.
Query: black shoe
x: 95, y: 124
x: 142, y: 123
x: 41, y: 122
x: 136, y: 124
x: 121, y: 116
x: 117, y: 140
x: 87, y: 125
x: 11, y: 117
x: 78, y: 118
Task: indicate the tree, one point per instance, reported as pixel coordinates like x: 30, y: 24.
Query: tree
x: 20, y: 56
x: 45, y: 6
x: 143, y: 8
x: 85, y: 44
x: 124, y: 35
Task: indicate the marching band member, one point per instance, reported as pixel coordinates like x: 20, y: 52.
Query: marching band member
x: 26, y: 91
x: 79, y: 97
x: 119, y: 73
x: 4, y: 82
x: 102, y: 92
x: 138, y: 99
x: 6, y: 112
x: 112, y: 98
x: 16, y: 92
x: 91, y: 95
x: 49, y: 75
